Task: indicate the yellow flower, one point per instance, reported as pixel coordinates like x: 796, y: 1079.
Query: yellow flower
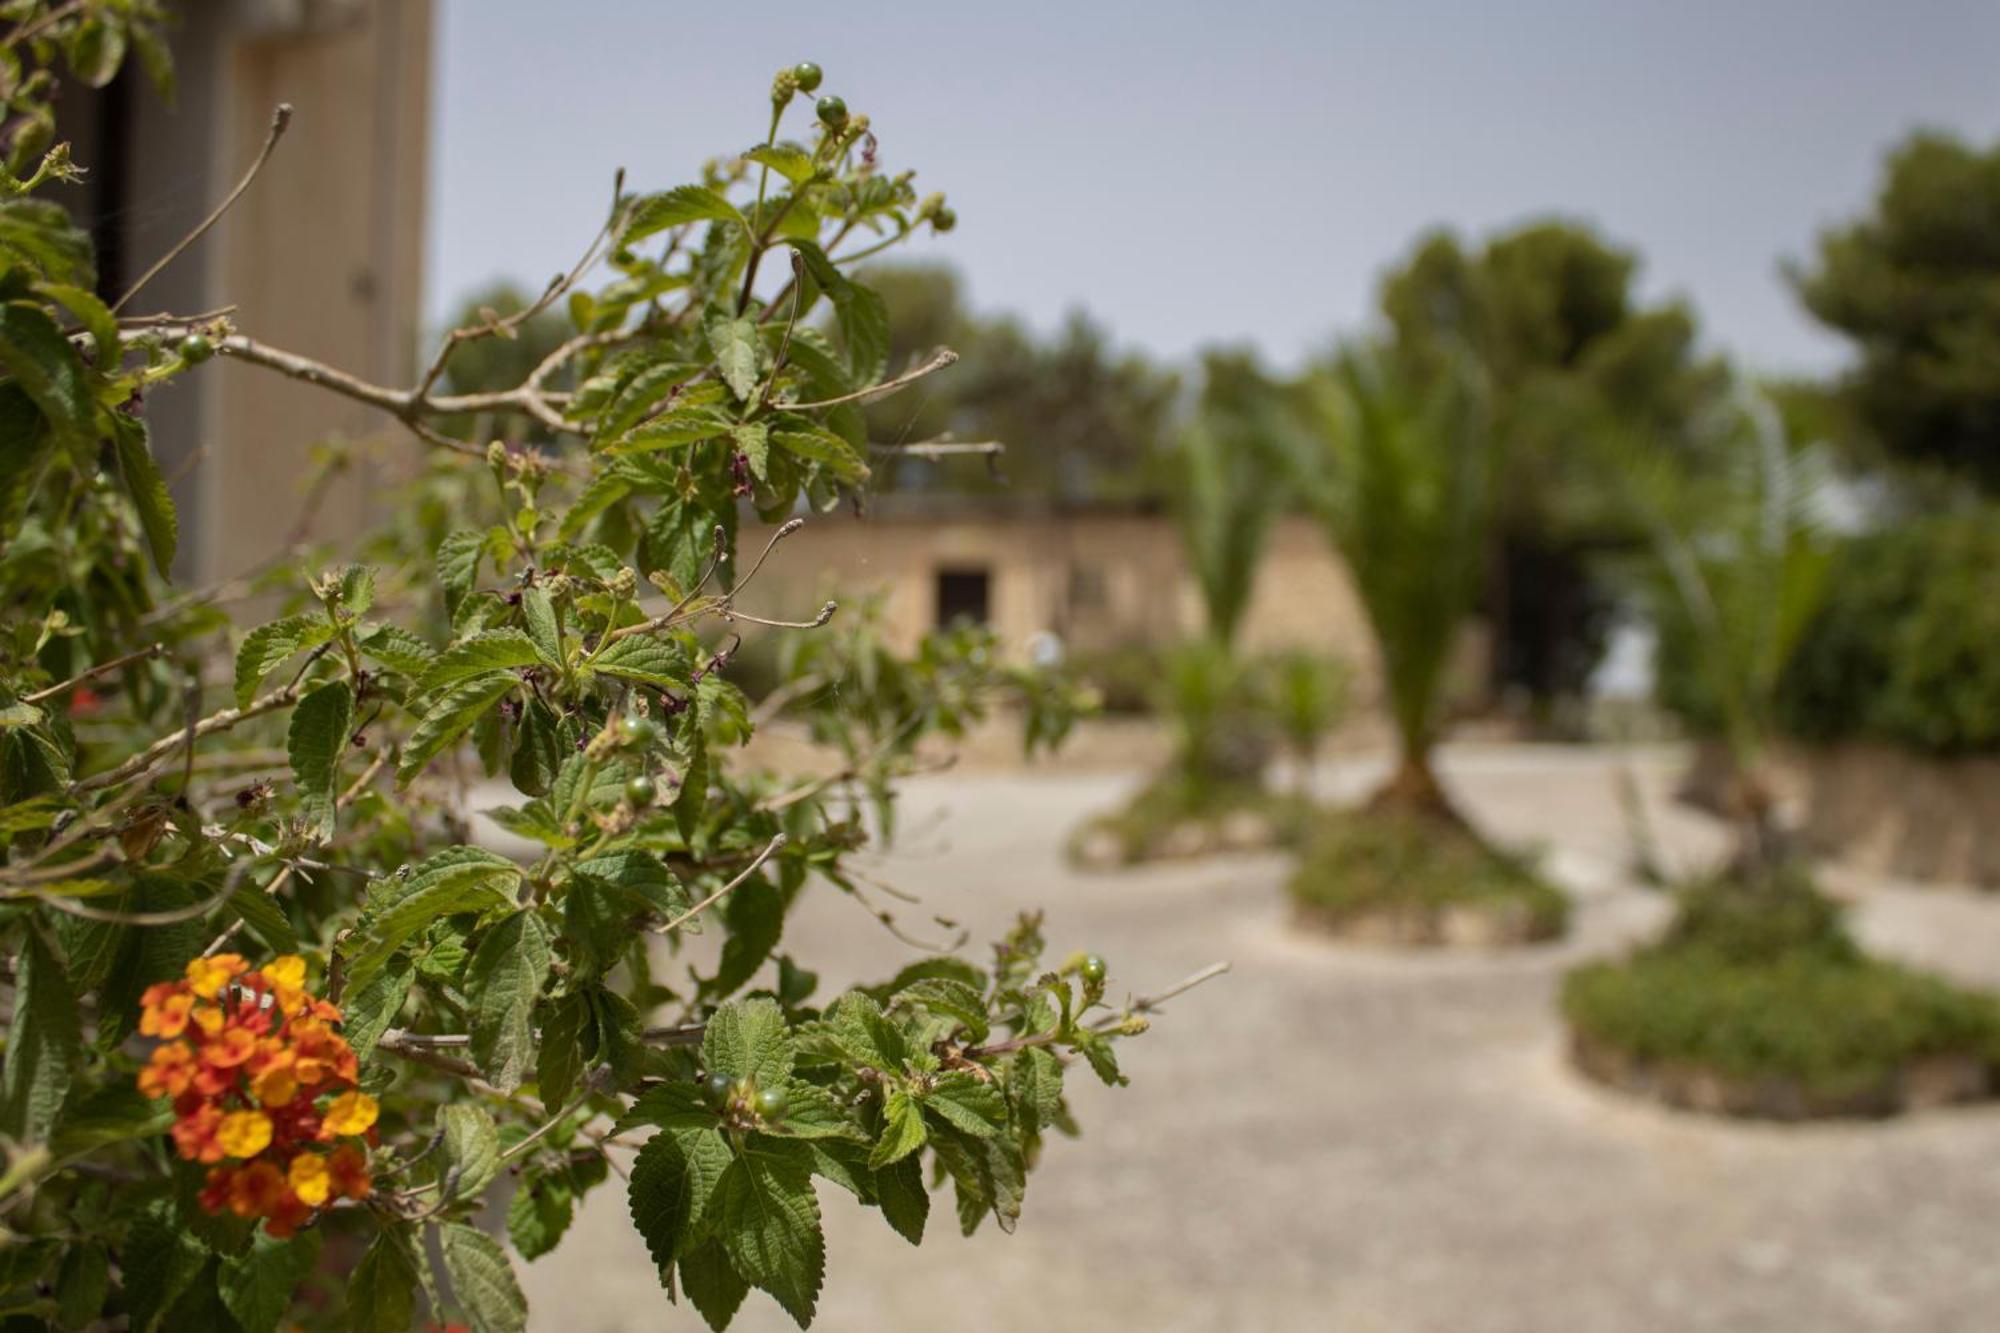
x: 209, y: 975
x: 287, y: 978
x: 350, y: 1113
x: 311, y: 1181
x: 244, y: 1133
x: 276, y: 1085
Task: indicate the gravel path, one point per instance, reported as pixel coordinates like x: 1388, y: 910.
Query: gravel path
x: 1333, y: 1139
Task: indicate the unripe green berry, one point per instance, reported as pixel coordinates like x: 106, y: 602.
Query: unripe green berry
x: 641, y: 792
x: 634, y: 730
x: 832, y: 111
x: 807, y: 75
x: 196, y: 348
x: 772, y: 1103
x: 715, y: 1089
x: 943, y: 220
x: 1093, y: 970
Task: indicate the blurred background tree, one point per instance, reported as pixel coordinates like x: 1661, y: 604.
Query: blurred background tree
x: 1549, y: 313
x: 1081, y: 419
x: 1914, y: 283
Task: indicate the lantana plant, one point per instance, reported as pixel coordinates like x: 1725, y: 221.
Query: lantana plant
x: 283, y: 1030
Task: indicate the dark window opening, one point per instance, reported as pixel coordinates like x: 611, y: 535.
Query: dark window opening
x: 963, y: 594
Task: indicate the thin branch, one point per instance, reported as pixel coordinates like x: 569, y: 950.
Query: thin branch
x: 942, y: 448
x: 27, y: 32
x: 559, y: 284
x: 101, y: 669
x: 280, y: 118
x: 942, y: 359
x: 716, y: 897
x: 159, y: 751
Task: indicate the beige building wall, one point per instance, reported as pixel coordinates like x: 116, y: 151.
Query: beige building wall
x: 1098, y: 580
x: 323, y: 255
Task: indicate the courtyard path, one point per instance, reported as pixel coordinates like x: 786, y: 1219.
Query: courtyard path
x: 1336, y: 1139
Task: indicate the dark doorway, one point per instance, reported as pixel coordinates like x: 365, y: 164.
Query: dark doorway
x: 963, y: 594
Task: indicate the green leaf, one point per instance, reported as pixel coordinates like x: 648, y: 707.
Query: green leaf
x: 368, y: 1010
x: 756, y: 917
x: 673, y: 1179
x: 712, y: 1284
x: 676, y: 207
x: 905, y: 1204
x: 647, y: 659
x: 357, y: 589
x: 815, y: 1114
x: 769, y: 1225
x: 903, y: 1130
x: 449, y: 718
x: 1036, y: 1080
x: 753, y: 441
x: 669, y: 1106
x: 148, y: 489
x: 540, y: 750
x: 264, y: 918
x: 693, y: 798
x: 671, y: 430
x: 38, y: 234
x: 641, y: 394
x: 114, y: 1113
x: 539, y: 1213
x: 788, y: 160
x: 480, y: 655
x: 317, y: 741
x: 44, y: 1042
x: 943, y: 995
x: 458, y: 565
x: 257, y: 1286
x: 382, y: 1290
x: 968, y: 1104
x: 748, y: 1039
x: 81, y: 1286
x: 268, y: 645
x: 90, y: 312
x: 398, y: 649
x: 539, y: 614
x: 483, y: 1280
x: 458, y: 879
x: 605, y: 489
x: 39, y: 359
x: 470, y: 1154
x: 559, y: 1057
x: 156, y: 1263
x: 735, y: 345
x: 502, y: 984
x: 819, y: 445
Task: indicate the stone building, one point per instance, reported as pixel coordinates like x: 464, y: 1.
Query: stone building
x: 1097, y: 578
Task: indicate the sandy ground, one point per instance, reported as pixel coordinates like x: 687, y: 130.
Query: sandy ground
x: 1330, y: 1138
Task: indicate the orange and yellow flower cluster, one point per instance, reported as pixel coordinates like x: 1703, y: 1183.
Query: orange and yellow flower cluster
x: 261, y: 1082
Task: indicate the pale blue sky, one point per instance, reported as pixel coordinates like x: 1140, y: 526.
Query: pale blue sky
x: 1207, y: 172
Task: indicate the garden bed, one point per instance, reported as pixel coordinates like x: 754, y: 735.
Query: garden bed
x: 1391, y: 877
x: 1173, y: 820
x: 1812, y: 1031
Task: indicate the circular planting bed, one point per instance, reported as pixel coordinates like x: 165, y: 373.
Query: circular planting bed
x: 1170, y: 822
x: 1390, y: 877
x: 1803, y: 1034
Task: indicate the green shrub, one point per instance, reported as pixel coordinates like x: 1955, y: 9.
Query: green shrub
x: 1126, y: 677
x: 1906, y: 647
x: 1902, y: 648
x: 1184, y: 814
x: 1386, y: 860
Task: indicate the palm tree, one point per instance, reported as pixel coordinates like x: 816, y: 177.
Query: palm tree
x: 1401, y: 477
x: 1739, y: 562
